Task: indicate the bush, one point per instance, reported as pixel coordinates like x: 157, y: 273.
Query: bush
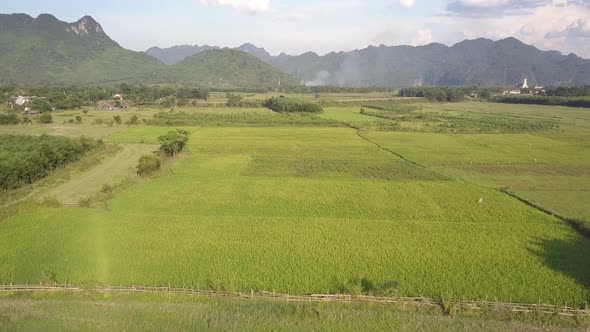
x: 133, y: 121
x: 8, y: 119
x: 85, y: 111
x: 78, y: 119
x: 45, y: 118
x: 289, y: 105
x: 117, y: 119
x: 148, y: 164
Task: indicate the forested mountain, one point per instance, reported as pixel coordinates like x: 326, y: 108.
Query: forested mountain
x: 471, y: 62
x: 47, y: 51
x: 226, y: 68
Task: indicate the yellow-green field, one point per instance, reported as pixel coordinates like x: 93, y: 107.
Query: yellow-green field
x: 311, y: 208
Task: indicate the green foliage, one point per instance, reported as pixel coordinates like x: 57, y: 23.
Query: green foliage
x: 545, y: 100
x: 25, y: 159
x: 45, y: 118
x: 41, y: 105
x: 174, y: 142
x: 78, y: 119
x: 290, y: 105
x: 9, y: 119
x: 233, y: 100
x: 169, y: 102
x: 134, y: 120
x: 117, y: 119
x: 148, y: 164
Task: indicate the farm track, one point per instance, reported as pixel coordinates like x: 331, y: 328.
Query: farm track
x: 338, y: 298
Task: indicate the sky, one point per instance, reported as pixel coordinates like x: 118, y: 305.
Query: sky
x: 323, y: 26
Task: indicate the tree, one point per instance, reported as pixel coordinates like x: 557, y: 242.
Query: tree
x: 148, y: 164
x: 117, y: 119
x: 45, y: 118
x: 174, y: 142
x: 40, y: 105
x: 78, y: 119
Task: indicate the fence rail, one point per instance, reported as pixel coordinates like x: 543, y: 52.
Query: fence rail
x: 343, y: 298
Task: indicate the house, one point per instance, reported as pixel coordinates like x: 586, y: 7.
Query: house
x: 119, y: 96
x: 112, y: 105
x: 19, y: 101
x: 31, y: 112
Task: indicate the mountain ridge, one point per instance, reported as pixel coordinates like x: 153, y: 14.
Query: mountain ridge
x: 478, y: 61
x: 47, y: 51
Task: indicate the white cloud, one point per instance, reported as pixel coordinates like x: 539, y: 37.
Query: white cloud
x: 246, y: 5
x: 407, y: 3
x: 579, y: 28
x: 424, y: 37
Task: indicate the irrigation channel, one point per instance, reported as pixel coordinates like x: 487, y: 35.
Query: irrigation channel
x: 341, y: 298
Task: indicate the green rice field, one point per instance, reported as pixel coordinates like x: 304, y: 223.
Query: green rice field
x: 309, y: 208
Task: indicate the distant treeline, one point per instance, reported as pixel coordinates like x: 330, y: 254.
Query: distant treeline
x: 75, y: 97
x: 544, y: 100
x: 571, y: 91
x: 25, y: 159
x: 291, y: 105
x: 447, y: 94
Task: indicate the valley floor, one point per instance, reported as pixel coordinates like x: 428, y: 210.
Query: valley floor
x: 331, y: 204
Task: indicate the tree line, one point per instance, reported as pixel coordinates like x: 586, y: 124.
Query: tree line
x: 25, y: 159
x: 448, y: 94
x: 50, y: 98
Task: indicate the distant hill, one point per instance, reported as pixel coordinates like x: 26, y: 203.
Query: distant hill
x: 226, y: 68
x: 47, y: 51
x: 176, y: 54
x: 471, y: 62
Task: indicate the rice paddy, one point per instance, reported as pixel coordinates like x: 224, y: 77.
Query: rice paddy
x: 311, y: 209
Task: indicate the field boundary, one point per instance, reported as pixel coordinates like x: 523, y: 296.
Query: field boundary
x: 578, y: 226
x: 340, y: 298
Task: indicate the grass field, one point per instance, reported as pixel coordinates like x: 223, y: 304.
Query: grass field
x: 302, y: 208
x: 98, y: 312
x: 302, y: 211
x: 110, y: 172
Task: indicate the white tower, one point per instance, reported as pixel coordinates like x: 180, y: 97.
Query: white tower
x: 525, y: 85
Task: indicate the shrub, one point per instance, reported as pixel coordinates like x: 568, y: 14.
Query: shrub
x: 174, y: 142
x: 289, y: 105
x: 133, y: 121
x: 85, y: 201
x: 78, y: 119
x: 85, y: 111
x: 45, y: 118
x: 117, y: 119
x: 148, y: 164
x: 106, y: 189
x: 98, y: 121
x: 6, y: 119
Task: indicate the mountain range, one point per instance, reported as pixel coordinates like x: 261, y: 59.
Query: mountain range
x: 47, y: 51
x: 471, y: 62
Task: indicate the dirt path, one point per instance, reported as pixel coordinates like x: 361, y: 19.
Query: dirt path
x: 110, y: 171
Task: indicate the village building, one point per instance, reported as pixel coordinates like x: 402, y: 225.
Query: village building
x: 19, y: 101
x: 112, y: 105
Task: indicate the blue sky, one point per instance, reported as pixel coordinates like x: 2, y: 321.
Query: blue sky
x: 327, y: 25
